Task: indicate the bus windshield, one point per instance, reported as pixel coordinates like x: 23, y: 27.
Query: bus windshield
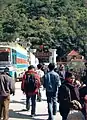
x: 4, y: 56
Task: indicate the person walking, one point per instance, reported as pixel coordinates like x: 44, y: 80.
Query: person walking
x: 84, y: 73
x: 83, y: 98
x: 51, y: 84
x: 41, y: 74
x: 67, y: 92
x: 30, y: 86
x: 7, y: 87
x: 62, y: 70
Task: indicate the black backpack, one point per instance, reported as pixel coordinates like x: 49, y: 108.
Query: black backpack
x: 30, y: 83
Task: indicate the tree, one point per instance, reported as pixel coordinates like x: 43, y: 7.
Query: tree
x: 58, y: 24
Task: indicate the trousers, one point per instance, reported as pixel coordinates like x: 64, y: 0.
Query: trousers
x: 4, y: 107
x: 33, y: 101
x: 52, y: 104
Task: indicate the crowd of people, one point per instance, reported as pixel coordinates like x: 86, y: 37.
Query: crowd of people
x: 61, y: 86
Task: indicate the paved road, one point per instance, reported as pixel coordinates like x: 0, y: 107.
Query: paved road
x: 18, y: 104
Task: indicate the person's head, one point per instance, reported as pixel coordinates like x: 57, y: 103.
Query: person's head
x: 85, y: 82
x: 39, y: 66
x: 56, y: 70
x: 61, y: 67
x: 51, y: 66
x: 70, y: 77
x: 6, y: 70
x: 31, y: 67
x: 75, y: 105
x: 86, y: 64
x: 77, y: 82
x: 71, y: 70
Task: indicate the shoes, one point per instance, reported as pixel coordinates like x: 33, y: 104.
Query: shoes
x: 32, y: 115
x: 50, y: 119
x: 27, y: 107
x: 24, y: 110
x: 54, y: 113
x: 38, y: 100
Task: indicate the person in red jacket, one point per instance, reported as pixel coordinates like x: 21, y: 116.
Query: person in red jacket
x: 31, y: 94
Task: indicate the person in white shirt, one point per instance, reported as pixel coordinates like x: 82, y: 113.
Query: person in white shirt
x: 39, y: 71
x: 41, y: 74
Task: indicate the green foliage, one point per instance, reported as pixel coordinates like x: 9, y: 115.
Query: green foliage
x: 60, y: 24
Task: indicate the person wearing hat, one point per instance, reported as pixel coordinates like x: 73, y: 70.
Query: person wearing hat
x: 7, y: 87
x: 30, y: 93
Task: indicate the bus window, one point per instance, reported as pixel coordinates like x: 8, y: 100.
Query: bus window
x: 13, y: 56
x: 14, y: 59
x: 4, y: 56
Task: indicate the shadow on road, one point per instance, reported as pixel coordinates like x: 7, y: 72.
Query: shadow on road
x: 44, y: 99
x: 15, y: 114
x: 41, y: 114
x: 21, y: 102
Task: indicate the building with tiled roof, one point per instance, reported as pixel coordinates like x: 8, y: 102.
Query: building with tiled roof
x: 74, y: 56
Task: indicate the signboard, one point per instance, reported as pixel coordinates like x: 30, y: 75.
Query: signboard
x: 43, y: 54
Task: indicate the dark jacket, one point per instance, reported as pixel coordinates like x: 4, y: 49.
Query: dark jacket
x: 69, y: 92
x: 38, y: 82
x: 83, y: 92
x: 66, y: 94
x: 7, y: 85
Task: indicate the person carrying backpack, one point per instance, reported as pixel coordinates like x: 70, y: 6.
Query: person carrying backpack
x: 66, y: 94
x: 51, y: 83
x: 30, y: 85
x: 7, y: 87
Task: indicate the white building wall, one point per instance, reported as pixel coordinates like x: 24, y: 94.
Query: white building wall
x: 33, y: 60
x: 53, y: 57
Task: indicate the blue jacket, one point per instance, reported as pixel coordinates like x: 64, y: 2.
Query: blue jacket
x: 51, y: 81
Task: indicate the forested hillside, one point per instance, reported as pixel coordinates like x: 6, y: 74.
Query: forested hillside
x: 60, y: 24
